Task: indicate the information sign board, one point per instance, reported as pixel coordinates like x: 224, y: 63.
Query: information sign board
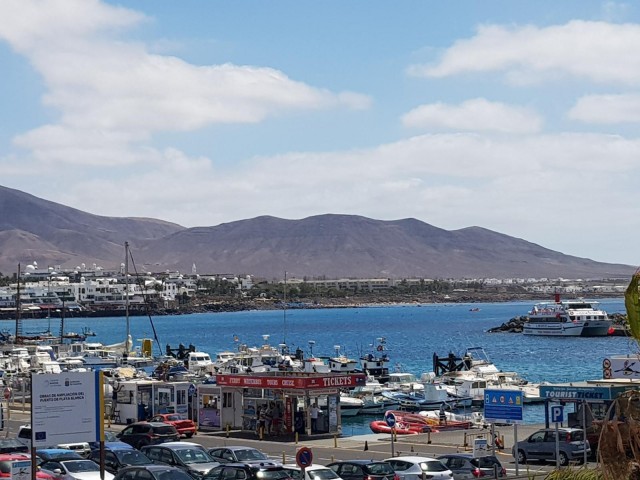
x: 503, y: 405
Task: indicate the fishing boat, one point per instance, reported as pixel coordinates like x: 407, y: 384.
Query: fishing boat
x: 376, y: 363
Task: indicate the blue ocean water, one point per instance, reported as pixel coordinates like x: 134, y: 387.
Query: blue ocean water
x: 413, y: 333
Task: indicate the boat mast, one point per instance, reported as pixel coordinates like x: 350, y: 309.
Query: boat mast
x: 284, y: 309
x: 126, y: 298
x: 18, y: 334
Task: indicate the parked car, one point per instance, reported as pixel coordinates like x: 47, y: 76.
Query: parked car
x: 191, y: 457
x: 7, y: 459
x: 465, y: 466
x: 140, y: 434
x: 417, y: 468
x: 12, y: 445
x: 118, y: 455
x: 541, y: 445
x: 239, y: 454
x: 46, y: 454
x: 108, y: 437
x: 248, y: 471
x: 74, y: 470
x: 155, y: 472
x: 184, y: 425
x: 312, y: 472
x: 360, y: 469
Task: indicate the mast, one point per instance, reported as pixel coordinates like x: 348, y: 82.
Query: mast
x: 284, y: 309
x: 18, y: 334
x: 127, y: 347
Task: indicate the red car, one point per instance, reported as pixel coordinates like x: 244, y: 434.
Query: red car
x: 6, y: 459
x: 181, y: 422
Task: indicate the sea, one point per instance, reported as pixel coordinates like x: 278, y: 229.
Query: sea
x: 413, y: 333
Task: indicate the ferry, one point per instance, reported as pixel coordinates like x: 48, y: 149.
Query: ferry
x: 572, y: 318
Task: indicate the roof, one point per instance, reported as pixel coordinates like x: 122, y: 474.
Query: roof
x: 360, y: 461
x: 173, y: 445
x: 412, y: 458
x: 117, y: 446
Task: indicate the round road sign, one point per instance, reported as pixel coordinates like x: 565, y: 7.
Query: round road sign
x: 390, y: 418
x: 304, y: 457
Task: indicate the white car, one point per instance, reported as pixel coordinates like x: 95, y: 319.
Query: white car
x: 413, y: 468
x: 74, y: 470
x: 312, y: 472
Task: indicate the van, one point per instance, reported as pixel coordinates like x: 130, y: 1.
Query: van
x: 82, y: 448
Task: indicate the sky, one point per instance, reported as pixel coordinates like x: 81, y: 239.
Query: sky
x: 520, y: 117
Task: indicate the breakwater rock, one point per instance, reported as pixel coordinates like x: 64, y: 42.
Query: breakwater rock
x: 514, y: 325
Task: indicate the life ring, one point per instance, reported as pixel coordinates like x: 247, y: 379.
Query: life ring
x: 380, y: 348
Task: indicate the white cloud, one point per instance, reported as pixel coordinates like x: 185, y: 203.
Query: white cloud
x: 478, y: 115
x: 114, y: 95
x: 599, y: 51
x: 607, y: 109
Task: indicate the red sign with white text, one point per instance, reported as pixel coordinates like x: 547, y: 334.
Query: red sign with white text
x: 296, y: 383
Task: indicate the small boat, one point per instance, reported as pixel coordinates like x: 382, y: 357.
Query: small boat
x: 380, y: 426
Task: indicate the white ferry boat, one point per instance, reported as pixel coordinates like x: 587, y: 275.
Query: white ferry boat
x: 571, y: 318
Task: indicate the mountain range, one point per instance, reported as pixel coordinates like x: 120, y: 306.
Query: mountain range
x: 322, y: 246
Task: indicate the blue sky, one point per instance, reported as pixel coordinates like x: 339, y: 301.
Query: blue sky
x: 521, y: 117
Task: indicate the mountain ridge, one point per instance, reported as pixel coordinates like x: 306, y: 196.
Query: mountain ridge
x: 321, y: 246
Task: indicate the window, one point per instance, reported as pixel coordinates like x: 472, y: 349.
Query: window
x: 181, y: 397
x: 227, y: 400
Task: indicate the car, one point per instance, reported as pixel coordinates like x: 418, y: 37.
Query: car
x: 312, y: 472
x: 108, y: 437
x: 465, y: 466
x: 152, y: 472
x: 12, y: 445
x: 416, y: 467
x: 541, y: 445
x: 184, y: 425
x: 189, y: 456
x: 6, y: 462
x: 239, y: 454
x: 74, y: 469
x: 46, y: 454
x: 359, y: 469
x: 140, y: 434
x: 118, y: 455
x: 248, y: 471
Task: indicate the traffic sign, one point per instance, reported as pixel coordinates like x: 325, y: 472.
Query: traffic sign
x: 390, y: 419
x: 557, y: 413
x: 304, y: 457
x: 503, y: 405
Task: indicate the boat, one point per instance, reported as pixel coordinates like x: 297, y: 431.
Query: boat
x: 340, y: 363
x: 567, y: 318
x: 376, y: 363
x: 415, y: 423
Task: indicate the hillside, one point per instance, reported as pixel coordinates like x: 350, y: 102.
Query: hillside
x: 331, y: 246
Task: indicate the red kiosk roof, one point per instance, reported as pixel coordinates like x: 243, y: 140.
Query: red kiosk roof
x: 319, y: 382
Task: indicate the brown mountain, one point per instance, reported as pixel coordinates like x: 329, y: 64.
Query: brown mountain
x: 33, y: 229
x: 337, y: 246
x: 333, y: 246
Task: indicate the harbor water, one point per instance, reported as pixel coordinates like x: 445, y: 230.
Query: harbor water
x: 413, y: 334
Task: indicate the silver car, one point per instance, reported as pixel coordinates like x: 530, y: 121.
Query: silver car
x: 541, y: 445
x: 467, y: 467
x: 417, y: 468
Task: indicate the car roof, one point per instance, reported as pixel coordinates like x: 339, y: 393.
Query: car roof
x: 412, y: 458
x: 14, y: 456
x: 464, y: 455
x: 174, y: 445
x: 236, y: 447
x: 358, y: 460
x: 53, y: 450
x: 251, y: 465
x: 117, y: 446
x: 293, y: 466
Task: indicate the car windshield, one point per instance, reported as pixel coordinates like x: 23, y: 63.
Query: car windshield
x: 323, y: 474
x: 75, y: 466
x: 132, y: 457
x: 274, y: 474
x: 193, y: 455
x: 433, y: 466
x: 250, y: 454
x: 380, y: 469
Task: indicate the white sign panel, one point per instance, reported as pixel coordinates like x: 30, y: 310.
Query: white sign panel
x: 627, y: 367
x: 21, y: 470
x: 66, y: 408
x: 480, y: 447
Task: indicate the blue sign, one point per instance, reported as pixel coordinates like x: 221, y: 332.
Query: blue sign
x: 557, y: 414
x: 304, y: 457
x: 192, y: 390
x: 390, y: 418
x: 503, y: 405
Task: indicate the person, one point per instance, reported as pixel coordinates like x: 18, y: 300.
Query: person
x: 313, y: 413
x: 298, y: 423
x: 443, y: 414
x: 268, y: 417
x: 262, y: 418
x: 276, y: 420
